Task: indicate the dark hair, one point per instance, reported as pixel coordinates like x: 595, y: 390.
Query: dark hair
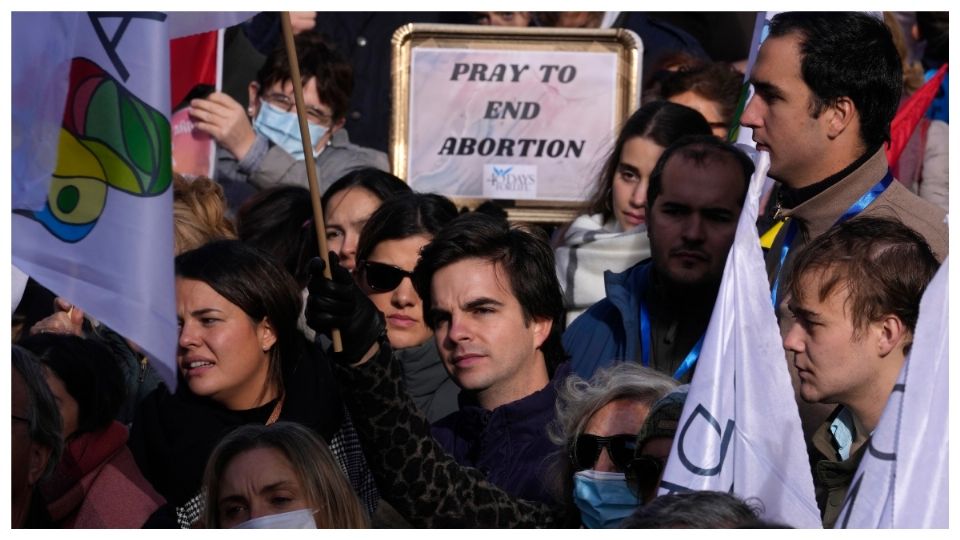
x: 317, y: 60
x: 696, y: 510
x: 255, y: 282
x: 89, y: 371
x: 699, y: 149
x: 280, y: 220
x: 382, y: 184
x: 714, y: 81
x: 522, y: 252
x: 883, y: 264
x: 660, y: 121
x: 408, y: 215
x: 934, y: 28
x: 848, y: 54
x: 44, y: 423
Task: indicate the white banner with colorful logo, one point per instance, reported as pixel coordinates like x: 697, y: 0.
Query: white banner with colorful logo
x: 92, y: 213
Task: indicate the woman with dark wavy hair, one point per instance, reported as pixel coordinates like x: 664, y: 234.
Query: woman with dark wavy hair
x: 241, y: 360
x: 389, y: 248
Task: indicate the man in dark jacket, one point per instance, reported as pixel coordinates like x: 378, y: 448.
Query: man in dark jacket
x: 492, y: 298
x: 657, y: 311
x: 855, y: 298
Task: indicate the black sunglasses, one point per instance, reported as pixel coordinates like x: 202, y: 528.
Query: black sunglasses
x: 643, y: 474
x: 586, y: 450
x: 379, y: 277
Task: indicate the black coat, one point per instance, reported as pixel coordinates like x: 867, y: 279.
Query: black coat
x: 174, y: 434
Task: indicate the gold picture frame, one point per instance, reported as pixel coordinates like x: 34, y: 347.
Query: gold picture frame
x: 624, y: 43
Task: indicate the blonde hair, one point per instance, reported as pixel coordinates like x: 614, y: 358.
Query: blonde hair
x: 199, y: 213
x: 325, y: 485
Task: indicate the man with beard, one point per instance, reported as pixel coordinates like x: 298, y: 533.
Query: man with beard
x: 657, y: 311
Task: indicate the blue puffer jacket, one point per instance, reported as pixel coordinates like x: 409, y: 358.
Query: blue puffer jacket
x: 609, y: 332
x: 508, y: 444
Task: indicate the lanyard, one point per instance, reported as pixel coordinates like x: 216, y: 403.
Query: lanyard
x: 646, y: 340
x: 857, y: 207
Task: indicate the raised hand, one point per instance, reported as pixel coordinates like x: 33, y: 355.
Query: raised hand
x: 220, y: 116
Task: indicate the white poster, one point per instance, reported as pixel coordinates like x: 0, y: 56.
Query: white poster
x: 510, y: 124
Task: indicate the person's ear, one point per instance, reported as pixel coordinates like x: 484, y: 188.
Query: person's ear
x: 266, y: 335
x: 541, y: 330
x: 338, y: 125
x: 892, y: 334
x: 39, y: 456
x: 840, y: 116
x: 253, y: 91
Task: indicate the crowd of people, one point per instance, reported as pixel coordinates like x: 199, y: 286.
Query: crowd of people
x: 492, y: 373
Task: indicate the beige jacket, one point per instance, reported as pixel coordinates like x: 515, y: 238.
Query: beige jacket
x: 816, y: 215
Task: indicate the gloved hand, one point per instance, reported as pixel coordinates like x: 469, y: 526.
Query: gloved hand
x: 339, y: 303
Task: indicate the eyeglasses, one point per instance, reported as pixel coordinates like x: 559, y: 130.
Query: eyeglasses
x: 379, y: 277
x: 586, y: 450
x: 643, y: 474
x: 287, y: 104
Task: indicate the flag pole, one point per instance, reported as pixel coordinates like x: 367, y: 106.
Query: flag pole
x: 308, y: 156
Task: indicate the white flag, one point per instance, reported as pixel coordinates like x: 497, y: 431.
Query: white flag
x: 39, y: 75
x: 740, y: 429
x: 903, y: 479
x: 102, y: 235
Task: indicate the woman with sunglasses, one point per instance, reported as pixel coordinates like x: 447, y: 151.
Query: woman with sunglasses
x: 389, y: 247
x: 597, y: 422
x: 270, y: 151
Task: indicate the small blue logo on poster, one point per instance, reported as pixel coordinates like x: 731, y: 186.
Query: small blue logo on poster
x: 510, y: 181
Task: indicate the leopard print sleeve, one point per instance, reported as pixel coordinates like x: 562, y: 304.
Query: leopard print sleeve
x: 412, y: 471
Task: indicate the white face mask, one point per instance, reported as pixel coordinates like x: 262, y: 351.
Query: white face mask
x: 297, y: 519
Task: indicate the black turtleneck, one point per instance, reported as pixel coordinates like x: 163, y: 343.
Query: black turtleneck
x: 791, y: 198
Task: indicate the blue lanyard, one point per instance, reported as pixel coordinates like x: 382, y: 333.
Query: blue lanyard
x: 646, y: 340
x: 857, y: 207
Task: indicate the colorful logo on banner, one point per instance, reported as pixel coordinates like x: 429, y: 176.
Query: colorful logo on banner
x: 109, y: 139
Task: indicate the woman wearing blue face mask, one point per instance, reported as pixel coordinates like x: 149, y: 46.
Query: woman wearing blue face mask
x: 597, y: 422
x: 261, y: 147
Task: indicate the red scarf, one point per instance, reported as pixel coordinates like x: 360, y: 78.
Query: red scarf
x: 68, y: 489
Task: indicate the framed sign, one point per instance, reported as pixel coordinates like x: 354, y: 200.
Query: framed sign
x: 524, y: 116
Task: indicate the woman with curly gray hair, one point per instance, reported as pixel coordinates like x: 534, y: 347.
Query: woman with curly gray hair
x: 597, y: 424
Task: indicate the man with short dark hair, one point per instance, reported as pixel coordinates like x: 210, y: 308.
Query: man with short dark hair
x: 657, y: 311
x: 493, y: 300
x: 855, y: 297
x: 827, y: 87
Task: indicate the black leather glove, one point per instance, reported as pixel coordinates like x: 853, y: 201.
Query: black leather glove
x: 340, y: 304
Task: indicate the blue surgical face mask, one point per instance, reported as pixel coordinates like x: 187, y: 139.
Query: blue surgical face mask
x: 283, y: 129
x: 297, y: 519
x: 604, y: 498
